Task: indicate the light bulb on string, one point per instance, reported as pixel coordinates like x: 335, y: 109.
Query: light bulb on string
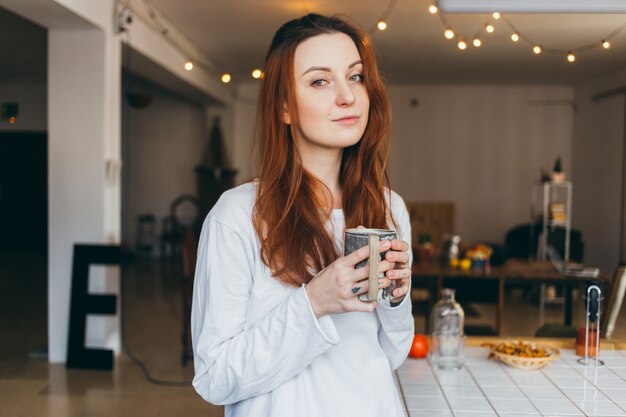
x: 189, y: 65
x: 515, y: 37
x: 571, y: 57
x: 477, y: 42
x: 433, y: 9
x: 605, y: 44
x: 256, y: 73
x: 462, y: 45
x: 489, y: 28
x: 449, y: 33
x: 537, y: 49
x: 382, y: 25
x: 496, y: 15
x: 226, y: 78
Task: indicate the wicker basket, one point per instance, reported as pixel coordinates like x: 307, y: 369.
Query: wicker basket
x: 520, y: 362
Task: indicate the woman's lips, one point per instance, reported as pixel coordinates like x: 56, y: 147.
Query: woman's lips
x: 348, y: 120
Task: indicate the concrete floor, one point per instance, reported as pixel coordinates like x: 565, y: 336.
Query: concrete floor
x: 29, y: 386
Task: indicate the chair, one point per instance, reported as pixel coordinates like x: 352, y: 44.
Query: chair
x: 188, y: 254
x: 614, y: 302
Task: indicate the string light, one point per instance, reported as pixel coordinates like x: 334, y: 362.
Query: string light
x: 225, y: 78
x: 12, y: 120
x: 433, y: 9
x: 256, y: 73
x: 189, y: 65
x: 382, y: 25
x: 516, y: 36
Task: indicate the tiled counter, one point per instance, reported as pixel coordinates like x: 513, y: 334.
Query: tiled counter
x: 484, y: 388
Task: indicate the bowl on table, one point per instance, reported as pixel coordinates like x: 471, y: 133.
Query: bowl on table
x: 524, y: 355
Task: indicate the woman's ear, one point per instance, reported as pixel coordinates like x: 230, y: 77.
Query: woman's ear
x: 286, y: 116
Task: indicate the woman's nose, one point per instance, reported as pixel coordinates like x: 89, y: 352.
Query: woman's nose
x: 345, y: 95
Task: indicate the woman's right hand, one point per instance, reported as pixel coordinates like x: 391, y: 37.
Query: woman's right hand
x: 336, y: 288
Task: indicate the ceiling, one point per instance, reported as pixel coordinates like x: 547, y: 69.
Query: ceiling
x: 235, y: 34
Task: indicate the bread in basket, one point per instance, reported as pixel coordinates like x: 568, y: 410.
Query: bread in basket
x: 524, y: 355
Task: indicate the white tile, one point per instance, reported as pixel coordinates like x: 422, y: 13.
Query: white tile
x: 570, y: 382
x: 622, y: 405
x: 418, y: 380
x: 593, y: 372
x: 581, y: 395
x: 544, y: 393
x: 469, y: 404
x: 561, y: 372
x: 604, y: 409
x: 503, y: 392
x: 422, y: 390
x: 456, y: 379
x: 615, y: 395
x: 474, y: 414
x: 610, y: 383
x: 417, y: 413
x: 427, y: 403
x: 506, y: 405
x: 532, y: 380
x: 493, y: 380
x: 568, y: 353
x: 486, y: 370
x: 553, y: 407
x: 519, y: 415
x: 462, y: 391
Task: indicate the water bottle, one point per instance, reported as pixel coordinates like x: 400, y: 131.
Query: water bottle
x: 446, y: 324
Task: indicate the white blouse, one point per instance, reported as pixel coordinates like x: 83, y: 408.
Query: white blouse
x: 260, y: 350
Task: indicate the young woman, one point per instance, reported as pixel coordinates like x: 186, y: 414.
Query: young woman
x: 278, y: 329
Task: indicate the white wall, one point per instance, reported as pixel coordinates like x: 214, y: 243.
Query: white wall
x: 32, y: 113
x: 598, y: 176
x: 167, y: 142
x: 244, y: 117
x: 480, y: 147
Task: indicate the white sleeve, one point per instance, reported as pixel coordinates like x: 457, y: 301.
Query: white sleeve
x: 397, y: 325
x: 232, y: 361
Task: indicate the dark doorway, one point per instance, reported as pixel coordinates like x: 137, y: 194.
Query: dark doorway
x: 23, y: 192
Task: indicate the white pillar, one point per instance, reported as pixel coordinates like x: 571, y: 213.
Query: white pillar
x: 84, y: 80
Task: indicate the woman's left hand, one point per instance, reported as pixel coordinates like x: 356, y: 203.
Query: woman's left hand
x: 399, y: 253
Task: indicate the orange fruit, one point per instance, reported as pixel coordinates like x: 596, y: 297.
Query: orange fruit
x: 419, y: 347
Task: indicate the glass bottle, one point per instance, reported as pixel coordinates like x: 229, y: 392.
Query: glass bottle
x: 446, y: 323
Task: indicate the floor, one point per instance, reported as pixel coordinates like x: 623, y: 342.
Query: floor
x: 29, y: 386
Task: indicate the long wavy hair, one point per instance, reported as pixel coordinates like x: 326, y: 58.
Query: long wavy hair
x: 293, y: 206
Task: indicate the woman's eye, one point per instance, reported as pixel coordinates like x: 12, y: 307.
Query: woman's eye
x: 319, y: 83
x: 357, y: 77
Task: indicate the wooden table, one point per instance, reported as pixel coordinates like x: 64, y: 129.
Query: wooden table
x: 489, y: 286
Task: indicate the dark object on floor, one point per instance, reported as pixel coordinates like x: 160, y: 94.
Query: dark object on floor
x: 188, y: 254
x: 556, y: 330
x: 521, y: 242
x: 83, y: 303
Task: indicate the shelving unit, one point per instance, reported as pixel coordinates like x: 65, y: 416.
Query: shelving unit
x: 551, y: 202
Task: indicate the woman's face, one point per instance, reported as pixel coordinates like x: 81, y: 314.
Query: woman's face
x: 332, y: 102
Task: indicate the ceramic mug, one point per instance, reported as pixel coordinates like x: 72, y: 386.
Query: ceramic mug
x: 357, y: 238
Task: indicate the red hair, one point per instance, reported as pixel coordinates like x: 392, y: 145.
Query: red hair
x: 292, y: 206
